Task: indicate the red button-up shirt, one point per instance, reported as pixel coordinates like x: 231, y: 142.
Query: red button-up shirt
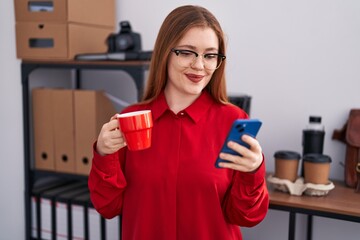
x: 172, y: 191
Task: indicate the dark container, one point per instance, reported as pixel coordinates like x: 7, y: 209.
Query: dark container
x: 313, y: 138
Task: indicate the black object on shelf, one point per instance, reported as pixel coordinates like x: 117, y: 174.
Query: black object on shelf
x: 243, y: 101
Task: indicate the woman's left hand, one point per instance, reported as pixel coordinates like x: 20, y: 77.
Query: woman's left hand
x: 250, y: 158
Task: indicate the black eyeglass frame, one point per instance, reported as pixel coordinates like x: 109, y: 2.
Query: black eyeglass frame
x: 220, y: 56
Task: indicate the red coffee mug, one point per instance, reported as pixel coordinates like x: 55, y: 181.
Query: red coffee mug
x: 136, y: 128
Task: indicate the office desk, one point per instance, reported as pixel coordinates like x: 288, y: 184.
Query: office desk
x: 340, y: 203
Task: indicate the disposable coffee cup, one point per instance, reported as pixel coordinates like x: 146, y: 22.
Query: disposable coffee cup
x: 286, y: 165
x: 136, y: 128
x: 316, y: 168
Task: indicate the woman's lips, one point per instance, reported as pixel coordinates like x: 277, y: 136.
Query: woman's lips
x: 194, y: 77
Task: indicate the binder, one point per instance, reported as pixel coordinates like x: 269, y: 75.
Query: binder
x: 92, y: 110
x: 64, y: 130
x: 80, y: 216
x: 40, y: 187
x: 94, y: 224
x: 66, y: 124
x: 113, y: 228
x: 48, y: 208
x: 43, y: 129
x: 64, y: 224
x: 34, y: 215
x: 89, y: 224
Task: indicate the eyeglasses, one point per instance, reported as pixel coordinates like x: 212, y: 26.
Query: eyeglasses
x: 187, y: 58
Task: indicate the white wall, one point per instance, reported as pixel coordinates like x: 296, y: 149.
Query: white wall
x: 11, y: 129
x: 295, y: 58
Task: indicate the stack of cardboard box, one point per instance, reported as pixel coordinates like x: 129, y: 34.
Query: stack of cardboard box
x: 66, y: 124
x: 61, y: 29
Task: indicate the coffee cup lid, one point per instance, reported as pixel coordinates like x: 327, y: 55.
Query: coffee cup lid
x: 317, y: 158
x: 284, y: 154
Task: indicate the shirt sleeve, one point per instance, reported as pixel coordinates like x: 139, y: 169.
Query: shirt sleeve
x: 247, y: 200
x: 107, y: 183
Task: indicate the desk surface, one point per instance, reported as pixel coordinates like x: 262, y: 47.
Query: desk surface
x: 341, y: 200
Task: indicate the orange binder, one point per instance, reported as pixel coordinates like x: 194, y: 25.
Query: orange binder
x: 43, y: 129
x: 92, y: 110
x: 64, y: 130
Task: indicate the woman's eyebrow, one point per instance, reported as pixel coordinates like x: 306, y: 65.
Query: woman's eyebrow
x: 194, y: 48
x: 187, y: 46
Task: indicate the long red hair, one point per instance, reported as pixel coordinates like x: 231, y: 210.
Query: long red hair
x: 174, y: 27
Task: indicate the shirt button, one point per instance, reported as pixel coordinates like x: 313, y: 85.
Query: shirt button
x: 182, y: 113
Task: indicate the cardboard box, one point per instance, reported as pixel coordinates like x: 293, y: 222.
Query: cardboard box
x: 64, y: 130
x: 92, y: 110
x: 59, y: 41
x: 43, y: 129
x: 93, y: 12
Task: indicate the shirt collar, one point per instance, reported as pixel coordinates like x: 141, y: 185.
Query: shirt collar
x: 195, y: 111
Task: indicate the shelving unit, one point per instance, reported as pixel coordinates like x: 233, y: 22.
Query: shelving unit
x: 136, y: 69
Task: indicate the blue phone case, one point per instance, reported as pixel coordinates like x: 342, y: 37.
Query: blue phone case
x: 240, y: 126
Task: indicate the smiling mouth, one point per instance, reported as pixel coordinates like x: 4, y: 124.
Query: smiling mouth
x: 194, y: 77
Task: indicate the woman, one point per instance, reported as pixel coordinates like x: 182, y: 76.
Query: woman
x: 172, y: 190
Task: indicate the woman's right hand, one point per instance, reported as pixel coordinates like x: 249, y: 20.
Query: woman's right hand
x: 110, y: 138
